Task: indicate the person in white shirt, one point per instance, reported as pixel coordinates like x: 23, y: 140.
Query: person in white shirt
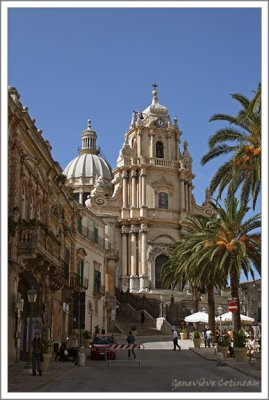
x: 175, y: 339
x: 251, y: 345
x: 208, y: 336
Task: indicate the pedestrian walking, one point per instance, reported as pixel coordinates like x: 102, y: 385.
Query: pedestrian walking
x: 131, y: 340
x: 175, y: 339
x: 251, y: 345
x: 204, y: 334
x: 36, y: 354
x: 208, y: 336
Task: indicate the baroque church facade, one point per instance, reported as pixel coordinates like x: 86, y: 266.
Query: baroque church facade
x: 143, y: 199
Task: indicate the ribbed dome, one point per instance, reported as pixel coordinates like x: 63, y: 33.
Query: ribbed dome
x: 83, y: 171
x: 87, y: 166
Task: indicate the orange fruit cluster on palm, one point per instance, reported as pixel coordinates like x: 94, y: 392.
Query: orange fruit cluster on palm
x: 251, y: 151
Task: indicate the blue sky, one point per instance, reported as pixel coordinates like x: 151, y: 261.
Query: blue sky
x: 73, y: 64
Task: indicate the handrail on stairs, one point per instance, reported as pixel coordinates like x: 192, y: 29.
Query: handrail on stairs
x: 137, y: 302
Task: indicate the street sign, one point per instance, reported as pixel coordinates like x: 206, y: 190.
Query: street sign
x: 232, y: 306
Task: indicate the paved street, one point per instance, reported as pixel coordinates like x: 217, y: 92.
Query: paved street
x: 162, y: 370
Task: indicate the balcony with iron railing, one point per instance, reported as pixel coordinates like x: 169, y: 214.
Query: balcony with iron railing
x: 99, y: 291
x: 93, y: 237
x: 78, y: 283
x: 35, y: 238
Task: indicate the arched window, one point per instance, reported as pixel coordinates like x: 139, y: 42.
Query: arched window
x: 159, y: 262
x: 159, y: 150
x: 163, y: 200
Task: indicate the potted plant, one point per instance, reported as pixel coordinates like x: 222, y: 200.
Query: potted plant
x: 223, y: 345
x: 240, y: 351
x: 47, y: 354
x: 87, y: 338
x: 96, y: 330
x: 183, y: 333
x: 196, y: 339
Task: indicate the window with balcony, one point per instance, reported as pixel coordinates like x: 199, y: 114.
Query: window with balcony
x: 81, y: 271
x: 97, y: 281
x: 159, y: 150
x: 95, y: 235
x: 163, y: 200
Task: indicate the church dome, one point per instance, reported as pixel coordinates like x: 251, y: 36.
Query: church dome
x: 83, y: 171
x: 87, y: 166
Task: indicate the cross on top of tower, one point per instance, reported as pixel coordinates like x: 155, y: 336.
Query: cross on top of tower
x: 155, y: 86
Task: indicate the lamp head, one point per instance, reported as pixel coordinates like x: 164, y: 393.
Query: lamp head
x: 31, y: 295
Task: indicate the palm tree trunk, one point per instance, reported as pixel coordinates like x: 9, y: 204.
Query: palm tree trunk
x: 196, y: 298
x: 211, y: 307
x: 235, y: 295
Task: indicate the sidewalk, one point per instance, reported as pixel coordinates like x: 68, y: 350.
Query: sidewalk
x: 18, y: 381
x: 245, y: 367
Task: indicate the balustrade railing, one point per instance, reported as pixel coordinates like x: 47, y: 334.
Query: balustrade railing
x: 139, y: 302
x: 91, y: 235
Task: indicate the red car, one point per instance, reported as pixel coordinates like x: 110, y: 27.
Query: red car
x: 101, y: 348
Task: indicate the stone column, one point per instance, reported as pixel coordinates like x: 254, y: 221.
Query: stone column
x: 143, y: 193
x: 133, y: 175
x: 140, y: 190
x: 186, y: 196
x: 168, y: 141
x: 111, y: 275
x: 80, y: 197
x: 139, y: 143
x: 124, y: 189
x: 151, y: 148
x: 133, y: 256
x: 182, y: 194
x: 143, y: 274
x: 177, y: 145
x: 124, y: 258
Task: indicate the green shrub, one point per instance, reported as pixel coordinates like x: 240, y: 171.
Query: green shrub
x: 196, y: 335
x: 87, y: 335
x: 240, y: 339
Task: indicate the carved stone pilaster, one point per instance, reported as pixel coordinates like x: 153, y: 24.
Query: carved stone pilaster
x: 134, y: 284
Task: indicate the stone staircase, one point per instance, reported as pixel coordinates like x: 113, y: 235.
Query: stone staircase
x: 127, y: 317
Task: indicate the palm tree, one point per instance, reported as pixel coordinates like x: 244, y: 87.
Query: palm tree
x: 214, y: 250
x: 231, y: 246
x: 182, y: 265
x: 243, y: 169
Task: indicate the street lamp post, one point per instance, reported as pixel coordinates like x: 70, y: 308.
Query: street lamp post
x: 220, y: 313
x: 31, y: 297
x: 91, y: 313
x: 79, y: 320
